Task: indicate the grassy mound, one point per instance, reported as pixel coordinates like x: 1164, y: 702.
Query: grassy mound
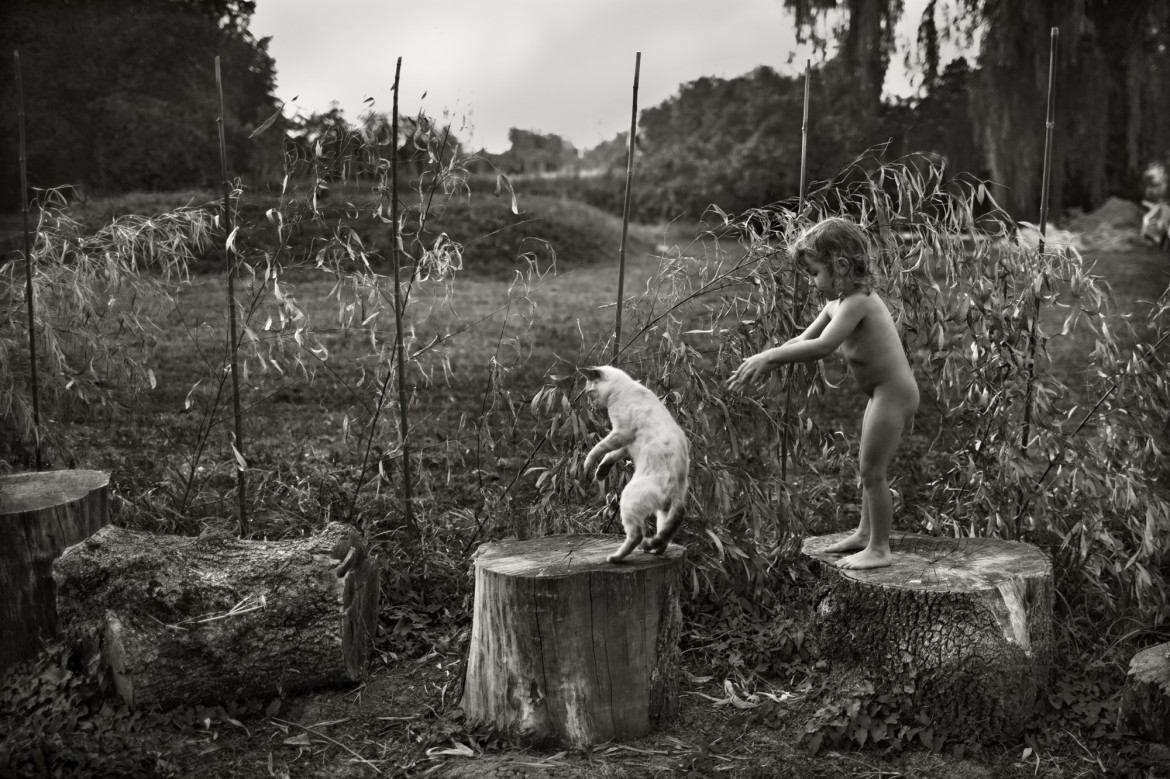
x: 495, y: 240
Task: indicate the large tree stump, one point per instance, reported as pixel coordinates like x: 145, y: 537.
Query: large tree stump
x: 180, y: 620
x: 1145, y: 700
x: 569, y: 650
x: 963, y: 627
x: 40, y: 514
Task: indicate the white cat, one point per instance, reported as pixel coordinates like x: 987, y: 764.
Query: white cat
x: 644, y: 431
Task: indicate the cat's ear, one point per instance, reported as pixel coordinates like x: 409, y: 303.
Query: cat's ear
x: 592, y: 374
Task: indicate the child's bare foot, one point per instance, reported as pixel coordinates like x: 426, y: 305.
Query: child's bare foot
x: 853, y: 543
x: 866, y: 558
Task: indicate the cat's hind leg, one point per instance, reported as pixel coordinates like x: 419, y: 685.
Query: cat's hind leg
x: 639, y: 500
x: 668, y: 521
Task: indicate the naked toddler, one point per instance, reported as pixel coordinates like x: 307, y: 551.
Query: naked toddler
x: 834, y: 252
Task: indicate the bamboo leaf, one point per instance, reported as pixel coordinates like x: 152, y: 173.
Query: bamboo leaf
x: 267, y: 122
x: 241, y: 463
x: 502, y: 183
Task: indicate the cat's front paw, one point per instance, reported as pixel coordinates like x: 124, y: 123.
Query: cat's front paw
x: 613, y: 558
x: 603, y: 471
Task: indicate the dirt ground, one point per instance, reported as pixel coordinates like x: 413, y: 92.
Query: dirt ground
x: 405, y: 722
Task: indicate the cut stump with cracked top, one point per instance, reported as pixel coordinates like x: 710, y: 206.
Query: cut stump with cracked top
x: 962, y: 626
x: 1145, y: 699
x: 41, y: 514
x: 569, y: 650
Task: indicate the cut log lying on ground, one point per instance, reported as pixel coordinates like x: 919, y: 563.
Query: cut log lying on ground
x: 1145, y: 700
x: 962, y: 627
x: 40, y: 515
x: 569, y: 650
x: 180, y: 620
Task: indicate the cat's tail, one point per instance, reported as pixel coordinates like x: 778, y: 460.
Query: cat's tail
x: 666, y: 527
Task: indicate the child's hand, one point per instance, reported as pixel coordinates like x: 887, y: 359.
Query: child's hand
x: 750, y: 371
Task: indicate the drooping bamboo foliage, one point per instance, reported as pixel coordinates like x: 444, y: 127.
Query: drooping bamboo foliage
x: 233, y: 340
x: 959, y: 283
x: 34, y: 389
x: 617, y: 326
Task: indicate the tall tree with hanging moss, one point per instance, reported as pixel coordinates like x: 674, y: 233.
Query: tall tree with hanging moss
x: 1113, y: 61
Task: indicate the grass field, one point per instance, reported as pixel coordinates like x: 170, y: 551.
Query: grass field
x: 496, y: 318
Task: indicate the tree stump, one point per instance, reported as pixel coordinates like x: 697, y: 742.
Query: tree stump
x: 1145, y: 700
x: 40, y: 514
x: 569, y: 650
x: 181, y: 620
x: 963, y: 627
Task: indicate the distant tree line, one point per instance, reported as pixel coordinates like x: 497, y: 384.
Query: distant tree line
x: 120, y: 94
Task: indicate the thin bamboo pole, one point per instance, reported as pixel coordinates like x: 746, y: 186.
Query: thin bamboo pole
x: 238, y: 444
x: 389, y: 191
x: 34, y: 385
x: 1049, y: 123
x: 796, y: 277
x: 617, y: 325
x: 399, y: 341
x: 804, y: 137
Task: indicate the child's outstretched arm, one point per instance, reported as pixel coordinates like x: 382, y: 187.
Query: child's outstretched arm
x: 818, y: 341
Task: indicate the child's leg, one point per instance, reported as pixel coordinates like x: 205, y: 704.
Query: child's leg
x: 886, y: 418
x: 859, y: 539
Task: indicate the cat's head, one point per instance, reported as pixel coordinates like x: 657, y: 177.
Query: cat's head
x: 602, y: 381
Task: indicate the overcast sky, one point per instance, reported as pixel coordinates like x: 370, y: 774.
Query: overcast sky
x: 551, y: 66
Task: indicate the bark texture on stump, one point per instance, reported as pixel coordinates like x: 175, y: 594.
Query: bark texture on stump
x: 182, y: 620
x: 569, y: 650
x: 40, y: 514
x: 1145, y: 700
x: 963, y: 627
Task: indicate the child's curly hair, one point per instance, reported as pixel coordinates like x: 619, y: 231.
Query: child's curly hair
x: 842, y: 246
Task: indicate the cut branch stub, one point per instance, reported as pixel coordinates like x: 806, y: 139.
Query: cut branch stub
x: 961, y: 626
x: 569, y: 650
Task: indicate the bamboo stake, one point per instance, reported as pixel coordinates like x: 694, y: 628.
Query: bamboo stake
x: 796, y: 278
x: 238, y: 444
x: 1032, y: 336
x: 391, y: 191
x: 617, y: 326
x: 804, y: 136
x: 28, y: 274
x: 399, y: 341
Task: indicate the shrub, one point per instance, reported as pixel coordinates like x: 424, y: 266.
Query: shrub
x: 95, y: 298
x: 1010, y: 450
